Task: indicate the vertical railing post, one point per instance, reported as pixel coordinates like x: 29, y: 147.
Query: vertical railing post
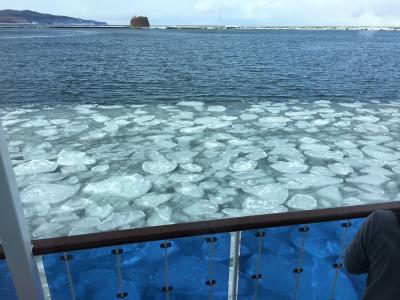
x: 234, y: 266
x: 15, y: 237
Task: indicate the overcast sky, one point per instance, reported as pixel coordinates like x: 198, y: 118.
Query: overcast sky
x: 228, y: 12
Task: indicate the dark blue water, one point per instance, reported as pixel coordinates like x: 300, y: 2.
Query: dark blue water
x: 126, y: 66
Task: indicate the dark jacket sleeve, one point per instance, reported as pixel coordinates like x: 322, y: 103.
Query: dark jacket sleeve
x: 356, y: 259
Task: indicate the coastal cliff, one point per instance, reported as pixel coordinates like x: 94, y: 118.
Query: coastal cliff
x: 9, y: 16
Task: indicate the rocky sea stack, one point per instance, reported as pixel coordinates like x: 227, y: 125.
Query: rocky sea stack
x: 140, y: 22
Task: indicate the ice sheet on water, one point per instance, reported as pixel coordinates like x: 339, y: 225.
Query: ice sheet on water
x: 48, y: 193
x: 152, y: 200
x: 193, y: 168
x: 36, y: 123
x: 248, y: 117
x: 292, y: 167
x: 382, y: 154
x: 190, y: 103
x: 35, y: 166
x: 160, y: 216
x: 331, y: 192
x: 74, y: 158
x: 341, y: 169
x: 314, y: 180
x: 274, y: 191
x: 100, y: 212
x: 216, y: 108
x: 333, y: 143
x: 72, y: 217
x: 190, y: 190
x: 377, y: 170
x: 159, y: 167
x: 326, y: 155
x: 47, y: 230
x: 125, y: 186
x: 100, y: 168
x: 302, y: 202
x: 122, y: 220
x: 372, y: 179
x: 182, y: 157
x: 184, y: 178
x: 255, y: 205
x: 201, y: 208
x: 243, y: 166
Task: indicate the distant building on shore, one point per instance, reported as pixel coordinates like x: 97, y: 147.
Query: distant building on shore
x: 140, y: 22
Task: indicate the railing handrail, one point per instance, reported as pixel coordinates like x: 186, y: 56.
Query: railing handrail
x: 166, y: 232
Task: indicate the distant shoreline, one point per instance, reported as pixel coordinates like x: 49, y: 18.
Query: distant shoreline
x: 210, y: 27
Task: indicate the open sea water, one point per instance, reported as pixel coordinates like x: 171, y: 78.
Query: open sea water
x: 117, y: 128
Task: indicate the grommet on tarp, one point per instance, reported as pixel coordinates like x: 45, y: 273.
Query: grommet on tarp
x: 117, y: 251
x: 210, y: 282
x: 298, y: 270
x: 256, y: 277
x: 122, y: 295
x: 337, y: 265
x: 346, y: 224
x: 304, y: 229
x: 212, y: 239
x: 260, y: 234
x: 167, y: 289
x: 66, y: 257
x: 165, y: 245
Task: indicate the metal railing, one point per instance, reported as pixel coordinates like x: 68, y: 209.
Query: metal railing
x: 165, y: 232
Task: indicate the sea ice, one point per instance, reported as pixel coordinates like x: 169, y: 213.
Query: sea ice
x: 257, y: 155
x: 235, y: 212
x: 122, y: 220
x: 372, y: 179
x: 254, y: 205
x: 36, y: 123
x: 292, y: 167
x: 125, y: 186
x: 73, y: 158
x: 47, y: 230
x: 35, y: 166
x: 274, y: 191
x: 341, y: 169
x: 201, y: 208
x: 377, y: 170
x: 184, y: 178
x: 160, y: 216
x: 331, y: 192
x: 48, y: 193
x: 328, y: 155
x: 216, y: 108
x: 371, y: 127
x: 182, y: 157
x: 190, y: 103
x: 382, y: 154
x: 159, y: 167
x: 314, y: 180
x: 243, y: 166
x: 101, y: 212
x: 100, y: 168
x: 288, y: 152
x: 72, y: 217
x: 302, y: 202
x: 190, y: 190
x: 143, y: 119
x: 152, y: 200
x: 193, y: 168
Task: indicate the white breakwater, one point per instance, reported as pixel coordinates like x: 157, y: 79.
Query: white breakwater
x: 89, y: 168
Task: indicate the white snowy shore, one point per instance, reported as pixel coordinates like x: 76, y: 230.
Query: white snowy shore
x: 92, y: 168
